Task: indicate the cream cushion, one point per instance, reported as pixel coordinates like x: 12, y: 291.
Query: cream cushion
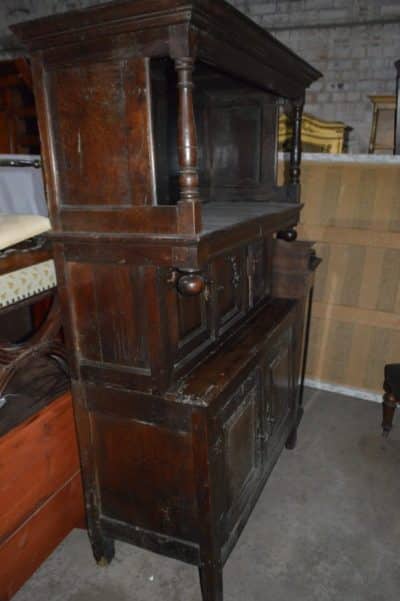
x: 17, y: 228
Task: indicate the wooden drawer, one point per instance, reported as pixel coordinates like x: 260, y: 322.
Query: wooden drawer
x: 40, y: 491
x: 38, y: 458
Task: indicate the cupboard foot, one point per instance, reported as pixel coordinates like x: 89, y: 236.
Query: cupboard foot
x: 211, y: 582
x: 291, y: 442
x: 103, y: 550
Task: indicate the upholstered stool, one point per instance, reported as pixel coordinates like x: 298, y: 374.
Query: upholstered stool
x: 23, y: 272
x: 27, y: 275
x: 391, y: 398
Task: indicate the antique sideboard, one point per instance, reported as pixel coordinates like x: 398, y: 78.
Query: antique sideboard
x: 184, y: 290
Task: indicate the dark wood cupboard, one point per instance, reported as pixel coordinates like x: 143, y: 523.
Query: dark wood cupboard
x: 183, y: 287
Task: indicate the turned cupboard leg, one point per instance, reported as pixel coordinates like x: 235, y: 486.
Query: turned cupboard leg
x: 211, y: 582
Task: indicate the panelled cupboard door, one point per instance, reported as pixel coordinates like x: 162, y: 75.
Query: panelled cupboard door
x: 229, y: 285
x: 279, y: 397
x: 250, y: 425
x: 240, y: 457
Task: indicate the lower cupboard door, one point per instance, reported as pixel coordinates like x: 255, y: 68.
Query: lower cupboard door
x: 240, y: 454
x: 279, y: 397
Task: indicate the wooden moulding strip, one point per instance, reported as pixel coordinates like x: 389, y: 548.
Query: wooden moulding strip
x: 369, y: 317
x: 350, y: 236
x: 140, y: 219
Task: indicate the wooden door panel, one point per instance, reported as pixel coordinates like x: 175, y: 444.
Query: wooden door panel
x: 230, y: 288
x: 109, y: 312
x: 259, y: 270
x: 146, y: 475
x: 105, y: 158
x: 193, y: 323
x: 241, y: 456
x: 278, y: 387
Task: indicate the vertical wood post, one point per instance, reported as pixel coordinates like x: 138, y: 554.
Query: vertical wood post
x: 295, y: 154
x: 187, y: 139
x: 397, y: 114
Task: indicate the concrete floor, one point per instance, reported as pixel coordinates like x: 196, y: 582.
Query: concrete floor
x: 327, y: 527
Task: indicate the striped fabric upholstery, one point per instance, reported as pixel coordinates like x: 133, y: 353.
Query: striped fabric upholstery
x: 352, y: 211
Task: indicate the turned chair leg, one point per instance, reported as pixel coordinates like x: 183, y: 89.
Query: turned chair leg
x: 388, y: 408
x: 211, y: 582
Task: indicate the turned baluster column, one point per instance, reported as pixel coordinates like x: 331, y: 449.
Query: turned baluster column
x: 187, y: 148
x: 295, y: 154
x: 294, y: 168
x: 397, y: 114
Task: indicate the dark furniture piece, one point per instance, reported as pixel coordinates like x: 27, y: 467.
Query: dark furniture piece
x: 18, y: 123
x: 41, y: 497
x: 391, y: 398
x: 397, y: 114
x: 183, y: 287
x: 33, y: 369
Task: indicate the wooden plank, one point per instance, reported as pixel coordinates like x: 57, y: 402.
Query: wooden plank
x: 23, y: 552
x: 37, y: 458
x: 143, y: 219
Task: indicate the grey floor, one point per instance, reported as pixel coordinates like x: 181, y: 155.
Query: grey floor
x: 327, y: 527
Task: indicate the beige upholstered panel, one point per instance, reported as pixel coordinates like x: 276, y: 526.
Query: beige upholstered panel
x: 352, y: 211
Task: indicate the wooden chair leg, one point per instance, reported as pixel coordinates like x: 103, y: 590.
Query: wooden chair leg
x: 388, y: 408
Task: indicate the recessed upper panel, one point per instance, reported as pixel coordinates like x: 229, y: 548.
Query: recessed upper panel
x: 100, y: 125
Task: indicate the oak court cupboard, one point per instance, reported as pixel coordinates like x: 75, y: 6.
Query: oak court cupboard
x: 184, y: 290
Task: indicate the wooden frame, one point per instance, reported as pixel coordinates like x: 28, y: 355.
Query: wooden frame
x: 317, y: 135
x: 382, y: 131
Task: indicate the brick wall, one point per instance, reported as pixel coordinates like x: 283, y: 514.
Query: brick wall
x: 353, y: 42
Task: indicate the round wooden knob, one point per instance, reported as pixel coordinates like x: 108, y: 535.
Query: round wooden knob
x: 191, y: 284
x: 289, y: 235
